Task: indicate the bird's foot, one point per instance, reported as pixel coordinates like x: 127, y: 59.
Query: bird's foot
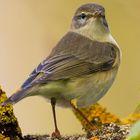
x: 56, y: 134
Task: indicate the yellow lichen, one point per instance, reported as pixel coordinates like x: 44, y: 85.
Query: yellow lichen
x: 132, y: 118
x: 94, y: 138
x: 98, y: 115
x: 9, y: 128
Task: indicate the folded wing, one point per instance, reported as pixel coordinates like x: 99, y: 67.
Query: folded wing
x: 74, y: 56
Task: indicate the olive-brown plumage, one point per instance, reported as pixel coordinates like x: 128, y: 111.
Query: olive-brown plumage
x: 82, y: 66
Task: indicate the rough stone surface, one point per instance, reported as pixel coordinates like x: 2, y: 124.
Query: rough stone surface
x: 110, y: 131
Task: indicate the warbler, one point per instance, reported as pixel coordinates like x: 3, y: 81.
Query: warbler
x: 81, y: 67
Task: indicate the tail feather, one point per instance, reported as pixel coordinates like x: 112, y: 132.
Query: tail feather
x: 15, y: 97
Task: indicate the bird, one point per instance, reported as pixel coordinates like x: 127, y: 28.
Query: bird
x: 80, y: 68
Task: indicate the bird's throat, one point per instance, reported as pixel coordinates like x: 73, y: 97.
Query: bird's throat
x: 95, y: 30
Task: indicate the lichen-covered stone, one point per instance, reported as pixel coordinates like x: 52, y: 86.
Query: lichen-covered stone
x: 109, y: 131
x: 9, y: 128
x: 99, y: 116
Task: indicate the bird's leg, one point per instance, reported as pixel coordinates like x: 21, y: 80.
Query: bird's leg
x: 55, y: 134
x: 92, y: 127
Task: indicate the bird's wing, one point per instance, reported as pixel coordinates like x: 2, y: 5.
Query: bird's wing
x: 74, y: 56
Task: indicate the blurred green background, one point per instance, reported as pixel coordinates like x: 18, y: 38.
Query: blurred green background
x: 28, y: 31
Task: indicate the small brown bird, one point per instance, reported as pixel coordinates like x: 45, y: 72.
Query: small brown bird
x: 81, y: 67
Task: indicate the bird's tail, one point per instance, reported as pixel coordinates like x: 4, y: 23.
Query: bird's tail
x: 19, y: 95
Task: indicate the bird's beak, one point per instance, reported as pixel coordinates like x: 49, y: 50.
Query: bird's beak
x: 98, y: 13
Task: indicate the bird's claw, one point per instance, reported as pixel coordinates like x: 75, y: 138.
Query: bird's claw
x: 56, y: 134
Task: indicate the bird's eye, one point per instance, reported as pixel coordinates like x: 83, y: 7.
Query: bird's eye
x: 82, y: 16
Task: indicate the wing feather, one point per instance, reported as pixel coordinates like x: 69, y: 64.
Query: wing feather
x: 74, y: 56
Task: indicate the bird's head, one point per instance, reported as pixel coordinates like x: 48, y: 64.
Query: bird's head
x: 90, y: 19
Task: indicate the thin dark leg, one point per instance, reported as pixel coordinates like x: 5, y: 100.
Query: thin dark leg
x: 56, y: 133
x: 92, y: 127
